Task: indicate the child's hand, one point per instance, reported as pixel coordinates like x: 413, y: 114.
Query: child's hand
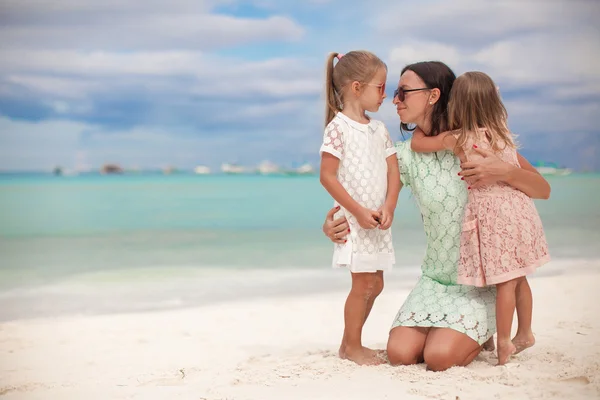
x: 387, y: 216
x: 368, y: 219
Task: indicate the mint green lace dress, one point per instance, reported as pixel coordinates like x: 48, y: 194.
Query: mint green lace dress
x: 437, y: 300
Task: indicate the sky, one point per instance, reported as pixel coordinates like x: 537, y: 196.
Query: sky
x: 150, y: 84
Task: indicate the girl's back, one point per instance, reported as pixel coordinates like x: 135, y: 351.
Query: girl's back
x: 505, y: 152
x: 502, y: 236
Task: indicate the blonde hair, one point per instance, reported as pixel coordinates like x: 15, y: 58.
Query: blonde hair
x: 356, y: 65
x: 475, y: 103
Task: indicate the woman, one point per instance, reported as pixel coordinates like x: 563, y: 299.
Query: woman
x: 442, y: 323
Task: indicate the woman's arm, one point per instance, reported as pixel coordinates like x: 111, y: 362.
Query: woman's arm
x: 492, y: 169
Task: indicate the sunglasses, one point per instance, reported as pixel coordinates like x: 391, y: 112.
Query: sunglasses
x: 401, y: 93
x: 381, y: 87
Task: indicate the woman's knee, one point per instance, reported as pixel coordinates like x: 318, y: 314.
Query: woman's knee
x: 402, y: 355
x: 405, y: 345
x: 440, y: 358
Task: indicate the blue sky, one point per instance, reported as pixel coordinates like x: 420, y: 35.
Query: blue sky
x: 188, y: 82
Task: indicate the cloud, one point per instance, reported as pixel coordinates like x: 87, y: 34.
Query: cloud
x: 545, y: 56
x: 476, y: 23
x: 33, y: 146
x: 135, y: 25
x: 151, y: 83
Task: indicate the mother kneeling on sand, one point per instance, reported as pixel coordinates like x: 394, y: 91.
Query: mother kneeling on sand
x: 442, y: 323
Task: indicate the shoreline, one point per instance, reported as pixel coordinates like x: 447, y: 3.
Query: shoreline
x: 285, y: 347
x: 167, y: 289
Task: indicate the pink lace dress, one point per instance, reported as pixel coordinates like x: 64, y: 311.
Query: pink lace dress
x: 502, y: 235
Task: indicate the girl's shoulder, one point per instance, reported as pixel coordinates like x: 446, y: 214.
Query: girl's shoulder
x: 377, y: 124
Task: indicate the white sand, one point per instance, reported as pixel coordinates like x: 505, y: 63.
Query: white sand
x: 285, y: 348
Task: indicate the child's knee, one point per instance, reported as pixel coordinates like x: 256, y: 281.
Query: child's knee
x: 379, y: 286
x: 367, y: 284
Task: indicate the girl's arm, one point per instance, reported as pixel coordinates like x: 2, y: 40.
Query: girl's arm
x: 430, y: 144
x: 393, y: 190
x: 393, y: 182
x: 329, y: 166
x: 492, y: 169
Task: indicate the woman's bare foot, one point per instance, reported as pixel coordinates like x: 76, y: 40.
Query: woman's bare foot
x: 362, y: 355
x: 505, y: 350
x: 489, y: 345
x: 523, y: 341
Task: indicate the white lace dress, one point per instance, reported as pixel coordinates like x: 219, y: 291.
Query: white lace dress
x: 362, y: 150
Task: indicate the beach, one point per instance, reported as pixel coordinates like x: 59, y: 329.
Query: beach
x: 221, y: 288
x: 284, y: 347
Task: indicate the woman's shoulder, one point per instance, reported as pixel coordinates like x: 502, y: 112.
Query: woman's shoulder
x: 403, y: 148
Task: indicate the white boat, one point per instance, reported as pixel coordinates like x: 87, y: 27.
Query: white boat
x: 202, y: 170
x: 551, y: 169
x: 305, y: 169
x: 267, y: 168
x: 232, y: 169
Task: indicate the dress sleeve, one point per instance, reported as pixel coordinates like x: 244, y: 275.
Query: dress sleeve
x: 389, y: 145
x: 404, y: 154
x: 333, y: 140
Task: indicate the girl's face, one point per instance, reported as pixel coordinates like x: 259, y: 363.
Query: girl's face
x: 372, y: 93
x: 411, y: 98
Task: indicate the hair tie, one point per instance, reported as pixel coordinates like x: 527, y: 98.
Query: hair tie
x: 339, y: 56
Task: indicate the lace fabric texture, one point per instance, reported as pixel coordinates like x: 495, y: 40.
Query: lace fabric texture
x: 362, y: 150
x: 502, y: 235
x: 438, y: 300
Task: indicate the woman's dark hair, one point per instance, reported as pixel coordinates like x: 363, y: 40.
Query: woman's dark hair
x: 438, y: 75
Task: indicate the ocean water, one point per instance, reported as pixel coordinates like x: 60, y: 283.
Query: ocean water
x: 94, y: 243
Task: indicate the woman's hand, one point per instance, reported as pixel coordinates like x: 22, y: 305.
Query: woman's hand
x: 492, y: 169
x: 336, y: 230
x: 489, y: 170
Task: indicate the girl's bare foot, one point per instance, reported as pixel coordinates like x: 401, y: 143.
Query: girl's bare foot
x: 489, y: 345
x: 363, y: 356
x: 523, y: 341
x: 505, y: 350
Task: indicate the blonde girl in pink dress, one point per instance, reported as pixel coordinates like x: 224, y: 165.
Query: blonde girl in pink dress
x: 502, y: 237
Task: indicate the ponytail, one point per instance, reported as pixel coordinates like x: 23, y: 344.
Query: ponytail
x: 332, y: 99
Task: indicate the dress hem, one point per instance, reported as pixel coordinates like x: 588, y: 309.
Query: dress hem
x: 505, y: 277
x: 429, y: 325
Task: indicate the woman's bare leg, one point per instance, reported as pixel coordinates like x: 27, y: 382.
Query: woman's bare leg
x: 365, y: 287
x: 524, y: 337
x: 505, y: 311
x: 447, y: 348
x: 405, y: 345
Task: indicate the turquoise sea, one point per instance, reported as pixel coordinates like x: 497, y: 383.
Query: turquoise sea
x: 93, y: 243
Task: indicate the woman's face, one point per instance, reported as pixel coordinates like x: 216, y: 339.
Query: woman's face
x: 414, y: 105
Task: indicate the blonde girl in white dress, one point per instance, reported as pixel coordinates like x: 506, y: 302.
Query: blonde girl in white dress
x: 360, y: 170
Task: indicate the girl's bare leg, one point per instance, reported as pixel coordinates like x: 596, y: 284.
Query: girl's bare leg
x: 524, y: 337
x: 505, y: 310
x: 365, y: 288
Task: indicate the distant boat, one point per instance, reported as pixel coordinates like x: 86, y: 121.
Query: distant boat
x: 57, y: 171
x: 304, y: 169
x: 111, y: 169
x: 232, y: 169
x: 202, y: 170
x: 267, y: 168
x: 168, y: 170
x: 551, y: 169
